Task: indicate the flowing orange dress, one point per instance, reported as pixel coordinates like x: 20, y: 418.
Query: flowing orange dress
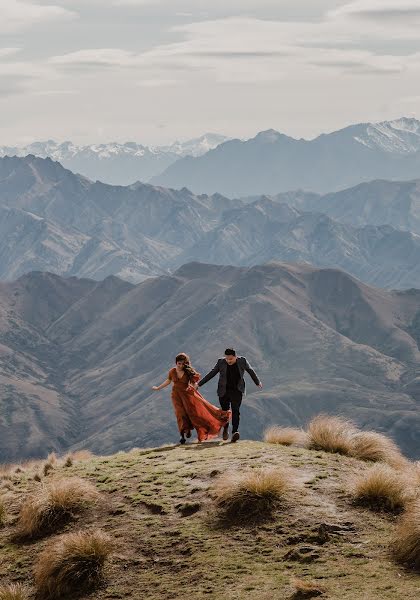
x: 193, y: 411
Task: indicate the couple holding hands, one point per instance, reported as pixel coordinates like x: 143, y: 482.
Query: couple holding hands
x: 193, y: 411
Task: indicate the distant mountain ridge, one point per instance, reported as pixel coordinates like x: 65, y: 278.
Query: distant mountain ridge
x: 272, y: 162
x: 116, y: 163
x: 54, y: 220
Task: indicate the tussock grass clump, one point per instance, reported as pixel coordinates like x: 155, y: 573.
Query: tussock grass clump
x: 306, y: 589
x: 15, y: 591
x: 253, y: 495
x: 81, y: 455
x: 381, y: 488
x: 47, y: 468
x: 286, y: 436
x: 6, y: 471
x: 376, y: 447
x: 2, y: 512
x: 331, y: 434
x: 72, y: 564
x: 68, y: 460
x: 406, y: 545
x: 53, y: 505
x: 52, y: 458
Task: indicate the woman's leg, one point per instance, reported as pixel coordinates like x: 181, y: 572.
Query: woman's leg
x: 183, y: 421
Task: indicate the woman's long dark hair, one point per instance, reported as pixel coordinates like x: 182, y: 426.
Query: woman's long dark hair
x: 188, y: 369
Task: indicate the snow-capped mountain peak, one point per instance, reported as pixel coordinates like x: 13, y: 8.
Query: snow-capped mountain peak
x: 114, y: 162
x: 197, y: 146
x: 62, y: 151
x: 401, y: 136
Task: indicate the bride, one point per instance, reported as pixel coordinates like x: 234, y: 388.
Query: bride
x: 191, y: 409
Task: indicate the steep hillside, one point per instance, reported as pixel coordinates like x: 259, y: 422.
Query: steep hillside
x: 267, y: 230
x: 157, y: 506
x: 52, y: 219
x: 36, y: 412
x: 319, y: 339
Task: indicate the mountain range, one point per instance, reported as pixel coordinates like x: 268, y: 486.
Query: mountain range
x: 272, y: 162
x: 116, y: 163
x: 53, y: 220
x: 79, y: 357
x: 268, y: 163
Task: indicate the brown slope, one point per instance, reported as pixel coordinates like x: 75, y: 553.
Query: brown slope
x: 36, y: 414
x: 156, y: 505
x: 320, y: 340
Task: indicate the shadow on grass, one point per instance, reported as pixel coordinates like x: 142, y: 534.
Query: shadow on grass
x: 203, y: 446
x: 158, y: 450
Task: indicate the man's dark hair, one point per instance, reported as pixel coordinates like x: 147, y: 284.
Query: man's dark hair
x: 230, y: 352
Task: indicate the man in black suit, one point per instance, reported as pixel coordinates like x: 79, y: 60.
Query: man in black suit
x: 231, y: 386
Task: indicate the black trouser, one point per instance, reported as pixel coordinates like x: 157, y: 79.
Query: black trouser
x: 232, y: 399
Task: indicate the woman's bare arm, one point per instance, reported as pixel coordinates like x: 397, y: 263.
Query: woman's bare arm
x: 165, y: 384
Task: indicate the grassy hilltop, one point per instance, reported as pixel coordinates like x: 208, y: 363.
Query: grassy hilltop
x: 167, y: 540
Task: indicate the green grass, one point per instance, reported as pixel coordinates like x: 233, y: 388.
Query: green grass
x: 158, y: 509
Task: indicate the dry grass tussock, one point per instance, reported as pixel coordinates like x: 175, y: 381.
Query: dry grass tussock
x: 286, y: 436
x: 382, y: 488
x: 52, y: 458
x: 47, y: 468
x: 72, y: 564
x: 81, y: 455
x: 6, y: 471
x: 14, y: 591
x: 54, y: 504
x: 376, y: 447
x: 253, y: 495
x: 306, y: 589
x: 2, y: 512
x: 332, y: 434
x: 68, y: 460
x: 335, y: 434
x: 406, y: 545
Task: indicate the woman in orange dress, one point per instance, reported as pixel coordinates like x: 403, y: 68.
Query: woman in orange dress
x: 191, y: 409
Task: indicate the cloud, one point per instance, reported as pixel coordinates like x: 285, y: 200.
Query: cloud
x: 156, y: 83
x: 4, y: 52
x: 96, y: 58
x: 135, y: 2
x: 244, y: 64
x: 359, y: 63
x: 404, y: 10
x: 13, y: 84
x: 17, y: 15
x: 252, y: 50
x: 188, y: 6
x: 358, y: 68
x: 20, y: 76
x: 246, y: 50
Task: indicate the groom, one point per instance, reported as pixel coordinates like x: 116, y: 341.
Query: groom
x: 231, y: 386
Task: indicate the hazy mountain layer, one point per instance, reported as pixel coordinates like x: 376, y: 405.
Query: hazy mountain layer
x: 116, y: 163
x: 53, y: 220
x: 273, y: 162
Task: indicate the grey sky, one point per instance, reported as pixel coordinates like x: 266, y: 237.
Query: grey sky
x: 156, y: 70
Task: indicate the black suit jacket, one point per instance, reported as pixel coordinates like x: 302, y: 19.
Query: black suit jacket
x: 221, y: 368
